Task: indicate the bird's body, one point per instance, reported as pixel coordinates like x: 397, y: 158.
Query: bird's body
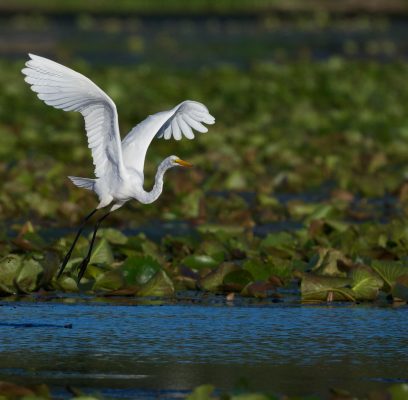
x: 118, y: 164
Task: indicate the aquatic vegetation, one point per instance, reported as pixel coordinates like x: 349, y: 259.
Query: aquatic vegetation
x: 300, y: 188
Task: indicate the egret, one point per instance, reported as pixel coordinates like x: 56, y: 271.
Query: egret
x: 118, y: 164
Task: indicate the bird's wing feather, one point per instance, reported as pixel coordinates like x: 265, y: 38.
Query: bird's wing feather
x: 65, y: 89
x: 179, y: 121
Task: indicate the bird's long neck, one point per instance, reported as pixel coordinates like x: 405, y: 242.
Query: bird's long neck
x: 150, y: 197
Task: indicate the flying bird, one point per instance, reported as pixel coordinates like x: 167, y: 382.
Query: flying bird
x: 118, y: 164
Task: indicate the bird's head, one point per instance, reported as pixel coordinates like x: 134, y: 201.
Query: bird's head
x: 175, y: 161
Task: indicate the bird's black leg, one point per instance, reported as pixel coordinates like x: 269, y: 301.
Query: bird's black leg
x: 68, y: 255
x: 85, y: 261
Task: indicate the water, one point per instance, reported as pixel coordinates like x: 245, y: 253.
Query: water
x: 130, y: 349
x: 202, y: 41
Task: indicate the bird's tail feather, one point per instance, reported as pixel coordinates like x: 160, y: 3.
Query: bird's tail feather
x: 85, y: 183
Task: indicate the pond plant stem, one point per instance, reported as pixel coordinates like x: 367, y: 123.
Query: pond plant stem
x: 68, y: 255
x: 85, y: 261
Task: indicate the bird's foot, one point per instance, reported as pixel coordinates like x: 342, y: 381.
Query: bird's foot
x: 82, y: 268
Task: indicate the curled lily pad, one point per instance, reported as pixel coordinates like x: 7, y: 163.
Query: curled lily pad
x: 389, y: 271
x: 235, y: 281
x: 365, y: 283
x: 102, y: 253
x: 258, y: 269
x: 213, y: 281
x: 9, y: 269
x: 113, y: 236
x: 138, y: 270
x: 66, y: 284
x: 200, y: 261
x: 322, y: 288
x: 29, y: 276
x: 329, y: 262
x: 110, y: 280
x: 159, y: 285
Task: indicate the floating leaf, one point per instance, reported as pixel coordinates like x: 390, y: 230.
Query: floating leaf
x: 214, y: 279
x: 29, y: 276
x: 320, y: 288
x: 159, y: 285
x: 329, y: 262
x: 66, y: 284
x: 200, y: 261
x: 113, y: 236
x: 389, y: 271
x: 235, y: 281
x: 9, y: 269
x: 102, y: 253
x: 138, y: 270
x: 365, y: 283
x: 110, y: 280
x: 258, y: 269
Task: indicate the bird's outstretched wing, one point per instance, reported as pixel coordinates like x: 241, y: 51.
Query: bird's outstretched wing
x: 179, y: 121
x: 63, y: 88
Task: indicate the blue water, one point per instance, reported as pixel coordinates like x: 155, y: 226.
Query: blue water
x: 133, y: 350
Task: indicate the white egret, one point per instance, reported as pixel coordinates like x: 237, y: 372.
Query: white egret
x: 118, y: 165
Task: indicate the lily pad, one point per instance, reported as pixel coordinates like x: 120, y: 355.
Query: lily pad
x: 29, y: 276
x: 323, y: 288
x: 139, y: 270
x: 213, y: 281
x: 235, y: 281
x: 113, y: 236
x: 160, y: 285
x: 365, y: 283
x: 110, y: 280
x: 329, y: 262
x: 9, y: 269
x: 389, y: 271
x: 102, y: 253
x: 200, y: 261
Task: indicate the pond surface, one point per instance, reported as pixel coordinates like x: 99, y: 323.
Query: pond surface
x: 126, y: 348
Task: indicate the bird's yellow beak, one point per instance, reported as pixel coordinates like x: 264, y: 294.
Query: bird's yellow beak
x: 183, y: 163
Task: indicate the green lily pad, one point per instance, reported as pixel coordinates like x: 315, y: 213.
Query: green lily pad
x: 102, y: 253
x: 160, y: 285
x: 389, y: 271
x: 110, y: 280
x: 258, y: 269
x: 9, y: 269
x: 323, y: 288
x: 29, y: 276
x: 328, y: 262
x: 139, y: 270
x: 365, y: 283
x: 200, y: 261
x: 235, y: 281
x: 66, y: 284
x: 113, y: 236
x: 213, y: 281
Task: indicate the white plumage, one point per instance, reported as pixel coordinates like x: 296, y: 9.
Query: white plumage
x: 118, y: 165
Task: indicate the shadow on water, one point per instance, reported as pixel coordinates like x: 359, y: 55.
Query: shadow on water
x: 132, y: 348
